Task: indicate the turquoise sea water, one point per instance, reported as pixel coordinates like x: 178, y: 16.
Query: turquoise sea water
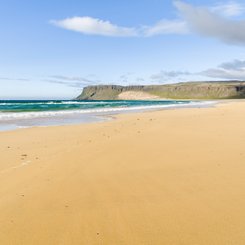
x: 59, y: 105
x: 25, y: 113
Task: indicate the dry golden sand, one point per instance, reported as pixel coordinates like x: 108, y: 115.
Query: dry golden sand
x: 167, y: 177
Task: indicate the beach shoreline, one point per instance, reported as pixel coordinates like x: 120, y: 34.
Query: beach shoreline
x: 19, y: 120
x: 172, y: 176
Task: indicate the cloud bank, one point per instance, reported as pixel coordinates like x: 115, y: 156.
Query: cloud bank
x: 216, y: 22
x: 207, y: 23
x: 229, y: 9
x: 234, y: 70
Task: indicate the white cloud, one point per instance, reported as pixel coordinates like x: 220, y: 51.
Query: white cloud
x: 234, y: 70
x: 229, y: 9
x: 166, y: 27
x: 205, y: 22
x: 72, y: 79
x: 75, y: 82
x: 92, y: 26
x: 14, y: 79
x: 170, y: 74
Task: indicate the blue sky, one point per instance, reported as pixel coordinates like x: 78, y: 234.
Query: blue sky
x: 52, y: 49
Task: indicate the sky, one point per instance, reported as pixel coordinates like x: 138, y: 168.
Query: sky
x: 51, y: 49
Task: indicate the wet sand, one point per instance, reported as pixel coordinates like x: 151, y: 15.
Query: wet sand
x: 164, y: 177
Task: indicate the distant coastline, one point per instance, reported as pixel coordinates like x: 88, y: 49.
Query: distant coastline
x: 189, y: 90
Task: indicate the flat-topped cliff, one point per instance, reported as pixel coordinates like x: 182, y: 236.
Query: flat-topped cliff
x: 189, y: 90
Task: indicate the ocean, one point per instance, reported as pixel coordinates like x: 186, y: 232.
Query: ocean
x: 28, y: 113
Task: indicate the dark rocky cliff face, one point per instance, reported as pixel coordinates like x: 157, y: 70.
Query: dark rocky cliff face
x: 190, y: 90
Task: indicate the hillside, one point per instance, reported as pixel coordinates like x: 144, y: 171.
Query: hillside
x: 190, y: 90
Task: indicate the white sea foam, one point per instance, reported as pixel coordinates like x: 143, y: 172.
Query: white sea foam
x: 8, y: 116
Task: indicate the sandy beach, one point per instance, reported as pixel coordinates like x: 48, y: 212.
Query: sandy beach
x: 160, y: 177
